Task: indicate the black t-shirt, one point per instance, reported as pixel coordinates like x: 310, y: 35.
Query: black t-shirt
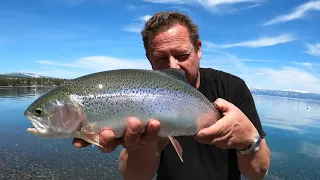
x: 203, y: 161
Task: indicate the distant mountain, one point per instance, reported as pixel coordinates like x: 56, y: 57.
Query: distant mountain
x: 28, y: 79
x: 24, y: 75
x: 286, y: 93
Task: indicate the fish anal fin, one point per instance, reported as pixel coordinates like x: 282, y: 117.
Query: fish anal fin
x: 176, y: 146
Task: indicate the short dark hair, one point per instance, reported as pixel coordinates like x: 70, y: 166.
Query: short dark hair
x: 161, y: 21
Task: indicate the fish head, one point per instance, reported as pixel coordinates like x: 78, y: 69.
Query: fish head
x: 54, y: 115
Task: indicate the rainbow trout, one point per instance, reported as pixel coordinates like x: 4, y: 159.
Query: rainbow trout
x: 83, y: 106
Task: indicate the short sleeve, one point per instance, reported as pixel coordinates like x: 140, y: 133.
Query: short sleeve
x: 244, y: 101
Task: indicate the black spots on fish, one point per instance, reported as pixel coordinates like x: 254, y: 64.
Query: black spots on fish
x: 90, y: 110
x: 65, y: 91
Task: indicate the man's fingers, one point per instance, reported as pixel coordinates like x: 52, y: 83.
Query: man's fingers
x: 79, y: 143
x: 153, y: 127
x: 212, y: 131
x: 133, y: 132
x: 107, y: 140
x: 151, y: 132
x: 222, y: 105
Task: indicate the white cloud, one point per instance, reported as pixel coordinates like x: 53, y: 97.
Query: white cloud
x: 261, y: 42
x: 137, y: 27
x: 211, y: 5
x: 289, y: 78
x: 313, y: 49
x: 90, y: 64
x: 169, y: 1
x: 259, y: 75
x: 130, y: 6
x: 289, y: 75
x: 180, y: 8
x: 134, y: 28
x: 214, y: 3
x: 144, y: 18
x: 297, y: 13
x: 74, y: 2
x: 46, y: 62
x: 100, y: 63
x: 304, y: 64
x: 205, y: 3
x: 135, y: 7
x: 59, y: 72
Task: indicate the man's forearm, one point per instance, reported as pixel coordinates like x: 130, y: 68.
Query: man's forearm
x: 141, y: 164
x: 255, y: 166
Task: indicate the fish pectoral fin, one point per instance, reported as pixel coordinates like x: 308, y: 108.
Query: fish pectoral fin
x: 89, y: 137
x: 176, y: 146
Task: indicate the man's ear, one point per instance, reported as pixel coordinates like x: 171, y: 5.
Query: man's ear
x: 199, y: 47
x: 149, y: 59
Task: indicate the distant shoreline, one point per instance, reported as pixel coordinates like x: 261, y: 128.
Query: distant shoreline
x: 288, y: 97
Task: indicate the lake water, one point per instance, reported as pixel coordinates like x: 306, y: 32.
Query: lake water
x: 292, y: 129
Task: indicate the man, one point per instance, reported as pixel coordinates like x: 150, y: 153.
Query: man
x: 221, y: 151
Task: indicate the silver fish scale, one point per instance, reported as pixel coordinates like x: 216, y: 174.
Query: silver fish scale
x: 108, y: 98
x: 177, y: 112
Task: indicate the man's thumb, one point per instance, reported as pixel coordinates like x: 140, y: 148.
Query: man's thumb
x: 222, y: 105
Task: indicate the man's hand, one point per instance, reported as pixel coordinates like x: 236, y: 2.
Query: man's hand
x: 134, y: 138
x: 233, y: 131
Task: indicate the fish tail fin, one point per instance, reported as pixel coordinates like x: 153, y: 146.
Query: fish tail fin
x: 176, y: 146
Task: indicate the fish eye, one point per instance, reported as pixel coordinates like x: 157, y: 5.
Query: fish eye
x: 39, y: 111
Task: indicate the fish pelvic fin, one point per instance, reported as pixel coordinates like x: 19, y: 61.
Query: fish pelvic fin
x: 176, y: 146
x: 88, y: 137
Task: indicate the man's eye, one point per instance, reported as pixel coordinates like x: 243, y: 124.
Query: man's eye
x: 182, y: 57
x: 160, y: 59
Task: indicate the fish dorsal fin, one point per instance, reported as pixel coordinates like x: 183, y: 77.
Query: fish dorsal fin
x: 175, y: 73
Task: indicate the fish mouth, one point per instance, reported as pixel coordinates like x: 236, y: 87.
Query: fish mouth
x: 37, y: 128
x: 32, y: 131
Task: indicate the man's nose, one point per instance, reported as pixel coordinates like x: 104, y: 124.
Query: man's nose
x: 173, y: 62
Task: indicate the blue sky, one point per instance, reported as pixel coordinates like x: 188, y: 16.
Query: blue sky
x: 269, y: 43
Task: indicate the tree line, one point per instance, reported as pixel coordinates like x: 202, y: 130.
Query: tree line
x: 25, y: 81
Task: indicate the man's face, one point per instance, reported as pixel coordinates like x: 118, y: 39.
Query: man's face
x: 173, y: 49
